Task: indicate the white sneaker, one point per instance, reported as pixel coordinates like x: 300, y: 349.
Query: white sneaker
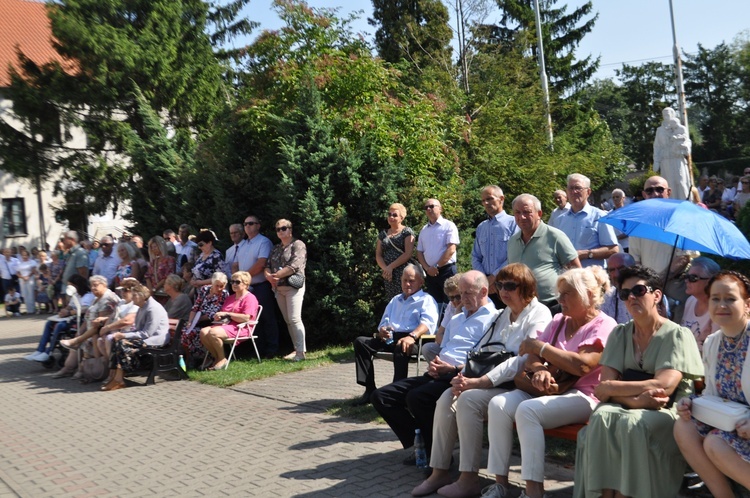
x: 42, y: 357
x: 496, y: 490
x: 32, y: 356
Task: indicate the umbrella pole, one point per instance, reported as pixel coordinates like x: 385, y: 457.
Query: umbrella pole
x: 669, y: 267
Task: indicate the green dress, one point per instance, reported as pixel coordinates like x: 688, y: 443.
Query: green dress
x: 633, y: 451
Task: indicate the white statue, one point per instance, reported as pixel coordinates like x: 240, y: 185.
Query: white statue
x: 671, y: 152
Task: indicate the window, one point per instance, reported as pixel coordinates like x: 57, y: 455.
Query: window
x: 14, y: 217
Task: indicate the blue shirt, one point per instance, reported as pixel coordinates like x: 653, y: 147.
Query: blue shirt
x: 251, y: 251
x: 463, y: 332
x: 585, y: 232
x: 405, y: 315
x: 490, y: 251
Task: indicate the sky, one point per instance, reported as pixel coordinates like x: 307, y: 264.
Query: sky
x: 631, y: 31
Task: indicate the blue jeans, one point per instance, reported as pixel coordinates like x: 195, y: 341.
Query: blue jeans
x: 52, y: 331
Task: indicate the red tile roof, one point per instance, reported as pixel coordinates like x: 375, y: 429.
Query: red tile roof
x: 24, y: 23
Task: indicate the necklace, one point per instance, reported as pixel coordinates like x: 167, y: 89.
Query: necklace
x: 726, y: 339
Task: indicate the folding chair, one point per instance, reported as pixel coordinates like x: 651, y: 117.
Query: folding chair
x: 245, y: 332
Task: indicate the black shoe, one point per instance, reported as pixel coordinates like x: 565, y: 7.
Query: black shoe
x: 364, y: 400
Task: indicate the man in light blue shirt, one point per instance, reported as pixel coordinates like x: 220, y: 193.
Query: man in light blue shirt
x: 490, y: 252
x: 408, y: 316
x: 594, y: 241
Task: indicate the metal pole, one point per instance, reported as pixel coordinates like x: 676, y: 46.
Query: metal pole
x: 543, y: 71
x: 681, y: 92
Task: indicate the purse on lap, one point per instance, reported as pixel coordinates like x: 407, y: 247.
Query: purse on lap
x: 719, y: 412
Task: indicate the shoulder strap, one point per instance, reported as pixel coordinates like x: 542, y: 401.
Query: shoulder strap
x: 557, y: 332
x: 387, y: 238
x: 490, y: 330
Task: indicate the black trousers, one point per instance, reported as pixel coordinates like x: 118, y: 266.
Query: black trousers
x: 364, y: 350
x: 409, y: 404
x: 268, y: 329
x: 435, y: 284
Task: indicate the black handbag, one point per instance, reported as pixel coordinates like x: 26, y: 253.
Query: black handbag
x: 631, y: 375
x: 295, y: 281
x: 479, y: 361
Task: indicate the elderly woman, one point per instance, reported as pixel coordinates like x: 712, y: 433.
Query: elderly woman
x: 102, y: 307
x: 431, y: 349
x: 742, y: 195
x: 128, y: 266
x: 209, y: 262
x: 461, y: 410
x: 122, y: 320
x: 394, y: 248
x: 160, y: 264
x: 179, y: 304
x: 716, y: 455
x: 238, y: 308
x: 26, y: 269
x: 289, y: 258
x: 208, y: 302
x: 695, y: 316
x: 151, y: 329
x: 627, y: 449
x: 60, y: 323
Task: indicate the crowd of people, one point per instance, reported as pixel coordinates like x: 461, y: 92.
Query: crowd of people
x: 588, y: 326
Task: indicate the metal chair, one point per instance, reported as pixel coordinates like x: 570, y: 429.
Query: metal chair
x: 245, y: 332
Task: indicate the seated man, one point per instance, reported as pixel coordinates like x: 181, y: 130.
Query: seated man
x: 431, y: 349
x: 409, y: 404
x: 407, y: 316
x: 612, y: 305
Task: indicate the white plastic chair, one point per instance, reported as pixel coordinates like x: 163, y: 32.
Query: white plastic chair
x: 245, y: 332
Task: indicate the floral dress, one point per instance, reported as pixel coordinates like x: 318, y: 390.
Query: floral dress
x: 731, y: 359
x: 391, y: 254
x: 208, y: 304
x: 124, y: 271
x: 205, y: 267
x: 164, y: 267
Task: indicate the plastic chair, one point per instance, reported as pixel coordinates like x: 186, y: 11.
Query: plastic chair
x: 245, y: 332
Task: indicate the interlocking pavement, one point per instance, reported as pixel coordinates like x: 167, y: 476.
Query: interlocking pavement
x: 272, y: 437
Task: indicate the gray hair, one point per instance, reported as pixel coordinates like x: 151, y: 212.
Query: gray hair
x: 525, y: 198
x: 72, y: 234
x: 106, y: 240
x: 174, y: 281
x: 590, y: 283
x: 417, y: 269
x: 618, y: 191
x: 708, y: 267
x: 495, y: 189
x: 219, y: 277
x: 579, y: 177
x: 98, y: 279
x: 129, y: 248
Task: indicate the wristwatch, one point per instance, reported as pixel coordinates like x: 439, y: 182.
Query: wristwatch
x: 591, y: 254
x: 413, y: 336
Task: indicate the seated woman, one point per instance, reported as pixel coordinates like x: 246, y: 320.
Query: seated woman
x: 151, y: 329
x: 160, y: 264
x: 573, y: 343
x: 102, y: 307
x: 122, y: 320
x: 238, y: 308
x: 718, y: 456
x: 60, y: 323
x: 461, y: 410
x: 128, y: 267
x: 695, y: 316
x: 210, y: 299
x: 627, y: 449
x: 179, y: 304
x: 431, y: 349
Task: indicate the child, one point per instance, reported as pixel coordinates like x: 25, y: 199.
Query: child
x: 12, y: 302
x: 43, y: 287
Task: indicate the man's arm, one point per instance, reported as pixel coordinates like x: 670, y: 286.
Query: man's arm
x: 447, y: 255
x: 258, y: 266
x: 603, y: 252
x: 576, y: 263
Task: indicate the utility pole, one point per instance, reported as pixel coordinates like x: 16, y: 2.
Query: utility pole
x: 543, y: 72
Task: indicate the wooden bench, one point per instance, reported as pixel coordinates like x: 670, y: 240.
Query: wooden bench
x: 569, y: 432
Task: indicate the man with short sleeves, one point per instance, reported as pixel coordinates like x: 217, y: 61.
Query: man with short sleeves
x: 544, y: 249
x: 78, y: 259
x: 108, y: 261
x: 490, y: 252
x: 594, y: 241
x: 409, y: 404
x: 252, y: 258
x: 407, y: 316
x: 612, y: 305
x: 184, y: 247
x: 436, y: 249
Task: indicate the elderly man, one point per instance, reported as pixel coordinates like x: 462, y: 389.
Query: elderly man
x: 231, y: 257
x: 657, y: 255
x: 612, y: 306
x: 108, y: 261
x: 561, y: 201
x: 253, y: 256
x: 490, y: 252
x: 408, y: 316
x: 544, y: 249
x: 618, y: 202
x: 594, y: 241
x: 436, y: 249
x: 78, y: 259
x: 409, y: 404
x: 184, y: 247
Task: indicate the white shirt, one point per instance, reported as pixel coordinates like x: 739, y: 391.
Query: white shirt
x: 8, y: 268
x: 434, y: 239
x: 26, y: 268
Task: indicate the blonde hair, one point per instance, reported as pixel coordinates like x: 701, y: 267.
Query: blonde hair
x: 243, y: 276
x: 399, y: 208
x: 590, y: 283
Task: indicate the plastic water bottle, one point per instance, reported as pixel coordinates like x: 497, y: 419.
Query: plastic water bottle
x: 420, y: 455
x: 182, y: 364
x: 388, y: 327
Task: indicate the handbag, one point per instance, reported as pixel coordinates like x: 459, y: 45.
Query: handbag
x: 563, y: 381
x: 296, y: 280
x: 632, y: 375
x: 479, y: 362
x: 719, y: 412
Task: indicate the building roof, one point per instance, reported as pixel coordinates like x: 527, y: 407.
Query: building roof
x: 24, y: 23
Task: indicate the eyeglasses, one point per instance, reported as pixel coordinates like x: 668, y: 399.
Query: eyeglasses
x: 393, y: 215
x: 455, y: 298
x: 651, y: 190
x: 282, y: 229
x: 430, y: 206
x: 236, y: 282
x: 508, y: 286
x: 251, y: 223
x: 613, y: 268
x: 106, y: 244
x: 201, y: 244
x: 693, y: 278
x: 576, y: 188
x: 637, y: 291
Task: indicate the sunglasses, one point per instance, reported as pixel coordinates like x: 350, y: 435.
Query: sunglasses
x: 201, y: 244
x: 282, y: 229
x: 393, y: 215
x: 693, y: 278
x: 236, y: 282
x: 651, y: 190
x: 251, y: 223
x: 430, y: 206
x: 637, y: 291
x: 105, y: 244
x: 508, y: 286
x: 455, y: 298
